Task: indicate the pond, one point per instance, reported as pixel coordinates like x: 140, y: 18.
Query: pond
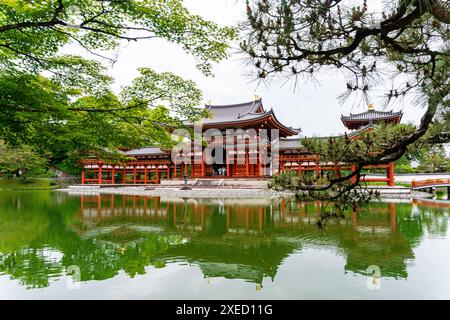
x: 54, y: 245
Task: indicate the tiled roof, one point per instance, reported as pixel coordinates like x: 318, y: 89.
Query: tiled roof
x: 372, y: 115
x: 241, y: 112
x: 289, y: 143
x: 145, y: 151
x: 235, y: 112
x: 360, y: 130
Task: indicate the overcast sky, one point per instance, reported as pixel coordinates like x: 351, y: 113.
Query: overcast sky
x: 312, y: 107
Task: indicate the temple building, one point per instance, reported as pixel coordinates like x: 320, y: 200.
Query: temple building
x: 370, y: 117
x: 245, y: 155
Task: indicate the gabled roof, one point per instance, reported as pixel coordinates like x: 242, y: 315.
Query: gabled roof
x: 358, y: 132
x: 146, y: 151
x: 289, y: 143
x: 354, y: 121
x: 244, y: 115
x: 372, y: 115
x: 235, y: 112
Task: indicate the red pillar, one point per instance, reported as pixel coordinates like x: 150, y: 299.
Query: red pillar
x: 317, y: 168
x: 390, y: 174
x: 112, y: 175
x: 259, y: 164
x: 299, y: 163
x: 157, y: 175
x: 246, y: 162
x: 145, y: 174
x: 203, y: 165
x: 99, y: 173
x: 353, y: 168
x: 134, y: 174
x: 336, y: 169
x: 174, y: 169
x: 82, y: 176
x: 227, y: 160
x: 124, y: 178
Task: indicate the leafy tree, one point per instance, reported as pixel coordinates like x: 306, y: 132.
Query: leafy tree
x: 32, y: 32
x: 406, y: 40
x: 403, y: 165
x: 19, y: 161
x: 63, y: 105
x: 433, y: 159
x: 58, y: 121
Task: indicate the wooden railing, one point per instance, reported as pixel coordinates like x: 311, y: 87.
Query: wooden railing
x: 429, y: 183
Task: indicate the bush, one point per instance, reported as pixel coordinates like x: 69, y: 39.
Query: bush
x: 404, y: 168
x: 287, y: 180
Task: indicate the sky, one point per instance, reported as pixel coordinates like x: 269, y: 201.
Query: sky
x: 311, y: 106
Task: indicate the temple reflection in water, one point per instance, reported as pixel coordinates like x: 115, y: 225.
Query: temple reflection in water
x: 254, y: 240
x: 246, y: 238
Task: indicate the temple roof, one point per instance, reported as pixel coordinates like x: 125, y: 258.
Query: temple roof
x: 289, y: 143
x: 360, y: 130
x: 146, y: 151
x: 355, y: 121
x: 372, y: 115
x: 235, y: 112
x: 244, y: 115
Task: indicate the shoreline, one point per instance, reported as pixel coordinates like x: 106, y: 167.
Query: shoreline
x: 177, y: 193
x: 385, y: 193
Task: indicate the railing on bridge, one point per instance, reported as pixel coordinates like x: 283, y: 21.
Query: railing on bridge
x: 430, y: 183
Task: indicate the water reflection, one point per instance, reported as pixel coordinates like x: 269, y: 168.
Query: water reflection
x: 41, y: 234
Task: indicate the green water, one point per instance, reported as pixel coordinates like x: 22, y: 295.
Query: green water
x: 56, y: 245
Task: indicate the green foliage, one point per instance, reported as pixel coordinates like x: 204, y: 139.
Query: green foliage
x: 20, y: 160
x: 301, y: 38
x: 365, y: 148
x: 167, y: 89
x: 63, y: 105
x: 287, y: 180
x: 433, y: 159
x: 404, y: 168
x: 34, y: 31
x: 61, y: 122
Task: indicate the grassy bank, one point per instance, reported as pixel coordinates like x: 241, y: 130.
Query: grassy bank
x: 397, y: 184
x: 32, y: 184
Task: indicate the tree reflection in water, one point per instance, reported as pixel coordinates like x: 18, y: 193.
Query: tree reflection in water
x: 41, y: 234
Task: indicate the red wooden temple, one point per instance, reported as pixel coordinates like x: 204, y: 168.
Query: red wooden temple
x: 241, y: 158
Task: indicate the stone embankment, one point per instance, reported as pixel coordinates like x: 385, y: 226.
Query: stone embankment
x: 178, y: 193
x: 218, y: 191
